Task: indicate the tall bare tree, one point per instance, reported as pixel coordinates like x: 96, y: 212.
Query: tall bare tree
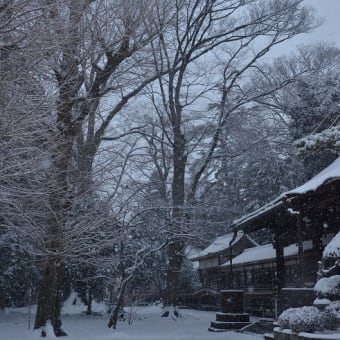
x: 241, y: 33
x: 97, y: 55
x: 98, y: 50
x: 23, y: 123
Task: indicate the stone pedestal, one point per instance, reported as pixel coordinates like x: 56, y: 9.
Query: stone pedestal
x: 232, y: 301
x: 232, y: 316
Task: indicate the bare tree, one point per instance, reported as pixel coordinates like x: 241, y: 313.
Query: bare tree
x: 242, y: 32
x: 309, y: 103
x: 97, y: 56
x: 98, y: 50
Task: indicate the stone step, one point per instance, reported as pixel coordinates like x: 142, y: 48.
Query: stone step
x: 228, y: 325
x: 232, y: 317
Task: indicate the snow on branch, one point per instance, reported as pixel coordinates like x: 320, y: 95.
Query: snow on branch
x: 326, y: 139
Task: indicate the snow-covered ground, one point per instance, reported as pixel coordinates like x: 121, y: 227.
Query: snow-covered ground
x: 146, y: 325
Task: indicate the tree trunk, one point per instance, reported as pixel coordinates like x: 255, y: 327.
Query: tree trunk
x: 59, y: 206
x: 117, y: 309
x: 60, y: 200
x: 175, y: 248
x: 175, y: 259
x: 89, y: 302
x: 49, y: 302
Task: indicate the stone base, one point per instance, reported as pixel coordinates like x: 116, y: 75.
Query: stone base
x: 232, y: 317
x: 229, y: 321
x: 289, y: 335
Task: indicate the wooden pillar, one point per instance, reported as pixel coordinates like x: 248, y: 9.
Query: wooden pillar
x: 317, y: 226
x: 280, y: 266
x: 300, y: 249
x: 317, y: 245
x: 280, y: 261
x: 231, y: 283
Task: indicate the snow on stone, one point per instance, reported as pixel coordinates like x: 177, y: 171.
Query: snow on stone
x: 265, y: 252
x: 220, y: 244
x: 328, y: 335
x: 320, y: 336
x: 321, y: 302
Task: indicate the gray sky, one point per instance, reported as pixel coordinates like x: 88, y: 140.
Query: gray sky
x: 329, y: 10
x: 329, y: 31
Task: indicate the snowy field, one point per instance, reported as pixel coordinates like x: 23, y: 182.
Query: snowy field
x: 146, y: 325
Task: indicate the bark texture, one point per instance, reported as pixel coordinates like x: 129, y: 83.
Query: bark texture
x: 60, y: 200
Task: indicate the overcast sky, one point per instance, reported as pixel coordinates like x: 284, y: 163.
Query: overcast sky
x: 329, y: 31
x: 329, y: 10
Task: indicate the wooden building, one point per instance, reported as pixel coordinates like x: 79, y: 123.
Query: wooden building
x: 255, y: 268
x: 301, y: 221
x: 310, y: 212
x: 254, y: 271
x: 219, y: 252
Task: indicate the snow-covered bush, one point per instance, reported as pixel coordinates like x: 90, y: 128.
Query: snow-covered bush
x: 331, y: 258
x: 307, y: 319
x: 334, y: 308
x: 329, y: 319
x: 286, y: 317
x: 328, y: 287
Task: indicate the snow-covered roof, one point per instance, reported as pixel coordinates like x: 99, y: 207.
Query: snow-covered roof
x: 332, y: 172
x: 260, y: 211
x: 219, y: 245
x: 192, y: 253
x: 265, y: 252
